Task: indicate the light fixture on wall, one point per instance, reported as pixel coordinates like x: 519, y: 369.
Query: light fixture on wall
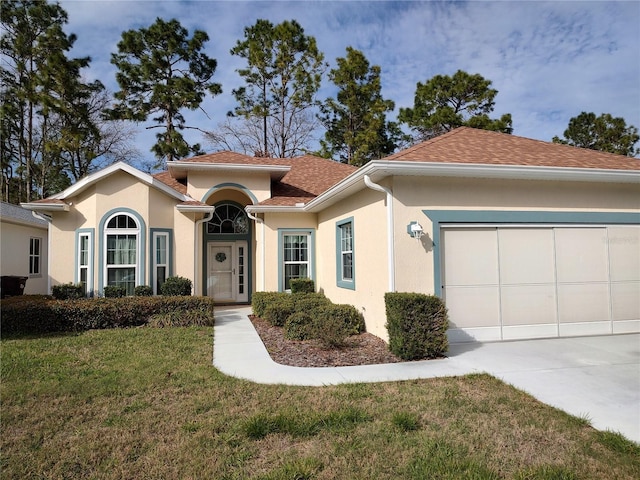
x: 415, y: 230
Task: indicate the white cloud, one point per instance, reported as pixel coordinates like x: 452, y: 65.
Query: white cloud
x: 548, y: 60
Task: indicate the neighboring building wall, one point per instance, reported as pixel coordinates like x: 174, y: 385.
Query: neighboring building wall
x: 15, y: 254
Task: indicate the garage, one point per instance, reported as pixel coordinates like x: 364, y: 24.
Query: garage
x: 503, y: 282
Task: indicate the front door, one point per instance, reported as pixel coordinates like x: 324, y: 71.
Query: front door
x: 227, y: 271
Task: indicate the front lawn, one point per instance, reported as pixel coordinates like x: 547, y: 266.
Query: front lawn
x: 146, y: 403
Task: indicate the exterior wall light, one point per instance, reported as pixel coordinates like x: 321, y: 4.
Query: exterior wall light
x: 415, y: 230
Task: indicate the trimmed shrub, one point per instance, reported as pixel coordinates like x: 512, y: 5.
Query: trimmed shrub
x: 42, y: 315
x: 302, y: 285
x: 299, y: 326
x: 278, y: 310
x: 346, y: 315
x: 176, y: 286
x: 417, y: 325
x: 311, y: 303
x: 330, y: 331
x: 67, y: 291
x: 261, y: 300
x: 143, y: 291
x: 114, y: 291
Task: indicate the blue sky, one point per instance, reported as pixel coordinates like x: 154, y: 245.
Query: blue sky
x: 549, y: 61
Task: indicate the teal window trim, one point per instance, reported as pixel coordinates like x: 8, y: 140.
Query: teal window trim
x: 514, y: 217
x: 340, y: 281
x: 233, y: 186
x: 312, y: 252
x: 152, y: 252
x: 142, y: 242
x: 90, y: 233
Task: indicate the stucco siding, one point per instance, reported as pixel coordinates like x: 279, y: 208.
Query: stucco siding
x: 202, y: 185
x: 368, y: 211
x: 274, y: 222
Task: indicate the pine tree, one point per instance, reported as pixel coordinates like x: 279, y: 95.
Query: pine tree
x: 357, y: 130
x: 162, y: 71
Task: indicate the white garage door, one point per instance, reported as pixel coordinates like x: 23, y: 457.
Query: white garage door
x: 505, y: 282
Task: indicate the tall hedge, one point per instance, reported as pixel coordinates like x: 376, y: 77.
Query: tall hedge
x: 37, y: 315
x: 417, y: 325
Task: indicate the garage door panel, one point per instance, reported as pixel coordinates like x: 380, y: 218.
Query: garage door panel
x: 625, y: 301
x: 526, y: 256
x: 581, y: 255
x: 546, y: 280
x: 624, y: 251
x: 473, y: 307
x: 471, y: 257
x: 528, y: 304
x: 579, y: 303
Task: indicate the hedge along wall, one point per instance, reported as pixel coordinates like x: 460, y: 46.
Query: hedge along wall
x: 37, y: 315
x: 417, y: 325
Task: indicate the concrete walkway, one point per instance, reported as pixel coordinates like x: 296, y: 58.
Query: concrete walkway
x: 593, y: 377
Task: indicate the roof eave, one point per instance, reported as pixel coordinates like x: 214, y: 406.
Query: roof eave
x: 275, y: 208
x: 195, y: 208
x: 379, y: 169
x: 147, y: 179
x: 179, y: 169
x: 46, y: 207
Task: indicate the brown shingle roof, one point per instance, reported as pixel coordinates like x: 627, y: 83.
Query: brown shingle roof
x: 237, y: 159
x: 470, y: 145
x: 309, y: 177
x: 168, y: 180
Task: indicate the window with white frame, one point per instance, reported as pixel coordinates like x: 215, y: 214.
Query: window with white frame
x: 296, y: 257
x: 35, y: 255
x: 161, y: 247
x: 121, y: 256
x: 84, y: 261
x: 345, y: 274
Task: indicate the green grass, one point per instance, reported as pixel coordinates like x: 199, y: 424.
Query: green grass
x: 147, y: 403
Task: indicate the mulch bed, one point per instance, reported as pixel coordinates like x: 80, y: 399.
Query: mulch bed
x: 362, y: 349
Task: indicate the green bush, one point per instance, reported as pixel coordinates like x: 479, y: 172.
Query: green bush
x: 299, y: 326
x: 261, y: 300
x: 311, y: 303
x: 114, y: 291
x: 346, y: 315
x: 417, y: 325
x: 176, y: 286
x: 143, y: 291
x: 330, y: 331
x: 67, y: 291
x: 278, y: 310
x: 302, y: 285
x: 43, y: 315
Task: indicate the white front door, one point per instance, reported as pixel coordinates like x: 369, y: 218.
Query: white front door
x: 227, y: 271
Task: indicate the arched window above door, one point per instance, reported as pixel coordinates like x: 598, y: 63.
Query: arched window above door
x: 228, y: 218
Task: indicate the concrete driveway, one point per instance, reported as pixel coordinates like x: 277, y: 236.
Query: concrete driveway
x: 593, y: 377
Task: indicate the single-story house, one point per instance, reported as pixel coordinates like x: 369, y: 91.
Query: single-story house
x: 24, y: 250
x: 522, y: 238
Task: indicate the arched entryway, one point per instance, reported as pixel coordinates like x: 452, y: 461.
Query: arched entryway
x: 227, y: 253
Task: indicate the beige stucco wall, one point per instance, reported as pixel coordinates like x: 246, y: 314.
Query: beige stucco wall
x: 369, y: 213
x: 274, y: 222
x: 412, y: 195
x: 200, y: 184
x: 14, y: 254
x: 120, y: 191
